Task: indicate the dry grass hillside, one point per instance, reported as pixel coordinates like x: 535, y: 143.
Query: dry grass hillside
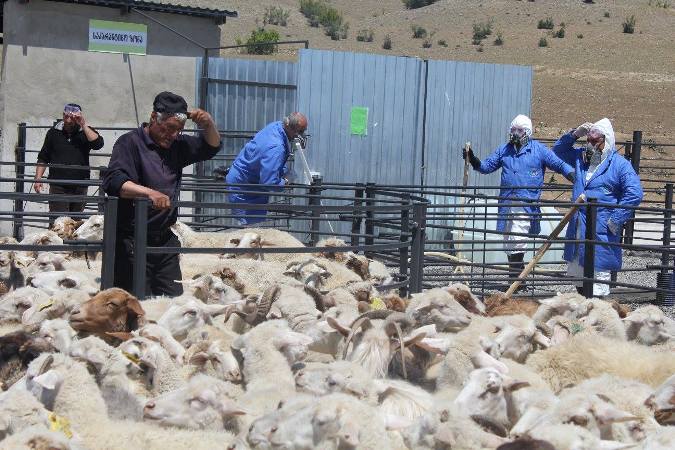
x: 595, y: 70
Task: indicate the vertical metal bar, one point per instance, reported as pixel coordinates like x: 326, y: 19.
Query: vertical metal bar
x: 589, y: 247
x: 314, y: 201
x: 356, y: 221
x: 635, y: 162
x: 404, y: 238
x: 417, y: 256
x: 198, y: 196
x: 424, y: 123
x: 109, y: 243
x: 370, y: 227
x: 140, y: 246
x: 20, y: 157
x: 663, y: 276
x: 101, y: 194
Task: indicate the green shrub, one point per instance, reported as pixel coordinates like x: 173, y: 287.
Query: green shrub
x: 261, y: 42
x: 482, y: 30
x: 480, y: 48
x: 426, y: 43
x: 499, y: 40
x: 414, y: 4
x: 560, y: 33
x: 543, y: 42
x: 607, y: 14
x: 418, y: 31
x: 442, y: 43
x: 319, y: 12
x: 365, y: 36
x: 387, y: 43
x: 580, y: 36
x: 546, y: 24
x: 629, y: 25
x: 276, y: 16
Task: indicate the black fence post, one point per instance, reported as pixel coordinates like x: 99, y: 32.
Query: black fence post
x: 109, y: 242
x: 315, y: 201
x: 589, y: 247
x: 20, y: 157
x: 663, y: 278
x: 140, y: 246
x: 635, y: 162
x: 370, y: 226
x: 101, y: 194
x: 417, y: 256
x: 356, y: 221
x: 403, y: 252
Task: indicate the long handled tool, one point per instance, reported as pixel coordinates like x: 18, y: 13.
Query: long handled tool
x: 545, y: 246
x: 465, y: 182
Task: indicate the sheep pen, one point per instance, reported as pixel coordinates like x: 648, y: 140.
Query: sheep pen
x: 319, y: 350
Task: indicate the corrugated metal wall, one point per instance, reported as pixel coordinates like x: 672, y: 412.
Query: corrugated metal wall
x: 331, y: 83
x: 470, y: 102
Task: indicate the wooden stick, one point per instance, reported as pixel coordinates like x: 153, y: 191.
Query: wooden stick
x: 465, y: 182
x: 545, y: 246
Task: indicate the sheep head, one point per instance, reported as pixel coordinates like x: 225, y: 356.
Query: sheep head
x: 112, y: 310
x: 359, y: 265
x: 65, y: 226
x: 181, y: 318
x: 198, y: 405
x: 310, y: 272
x: 229, y: 277
x: 224, y: 362
x: 649, y: 326
x: 91, y: 229
x: 514, y: 343
x: 212, y: 289
x: 662, y: 402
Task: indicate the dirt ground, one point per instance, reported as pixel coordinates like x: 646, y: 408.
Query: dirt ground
x: 594, y: 71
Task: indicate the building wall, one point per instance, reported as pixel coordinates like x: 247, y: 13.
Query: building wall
x: 46, y: 64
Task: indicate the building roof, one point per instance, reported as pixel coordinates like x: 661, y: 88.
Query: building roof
x: 171, y: 7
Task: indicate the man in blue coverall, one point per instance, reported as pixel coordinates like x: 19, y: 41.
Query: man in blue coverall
x: 601, y: 173
x: 262, y: 161
x: 523, y: 162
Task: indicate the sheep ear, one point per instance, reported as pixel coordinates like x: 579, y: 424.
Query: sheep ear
x: 414, y: 340
x: 607, y: 413
x: 134, y: 305
x: 612, y: 445
x: 334, y: 324
x: 199, y: 359
x: 46, y: 364
x: 121, y: 335
x: 394, y: 422
x: 49, y: 380
x: 542, y: 340
x: 514, y: 385
x: 482, y: 360
x: 215, y: 310
x: 431, y: 345
x: 228, y: 408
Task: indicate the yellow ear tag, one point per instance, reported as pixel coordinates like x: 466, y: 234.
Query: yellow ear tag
x: 377, y: 303
x: 134, y: 359
x: 44, y: 306
x: 58, y: 423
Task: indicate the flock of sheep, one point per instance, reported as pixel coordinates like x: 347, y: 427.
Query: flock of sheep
x: 304, y: 351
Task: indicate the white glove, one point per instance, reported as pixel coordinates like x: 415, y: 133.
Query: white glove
x: 582, y: 130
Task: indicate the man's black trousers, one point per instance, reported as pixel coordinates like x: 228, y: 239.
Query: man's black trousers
x: 161, y: 268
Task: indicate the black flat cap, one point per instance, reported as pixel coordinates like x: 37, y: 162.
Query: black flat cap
x: 168, y: 102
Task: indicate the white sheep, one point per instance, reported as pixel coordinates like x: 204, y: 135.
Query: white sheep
x: 38, y: 438
x: 649, y: 325
x: 57, y: 306
x: 181, y: 317
x: 602, y: 318
x: 52, y: 282
x: 19, y: 410
x: 78, y: 399
x: 572, y: 437
x: 15, y: 303
x: 211, y: 288
x: 58, y: 333
x: 662, y: 402
x: 91, y: 229
x: 204, y: 403
x: 588, y: 356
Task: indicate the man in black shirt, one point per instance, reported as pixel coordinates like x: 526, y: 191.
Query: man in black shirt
x: 68, y: 143
x: 148, y: 162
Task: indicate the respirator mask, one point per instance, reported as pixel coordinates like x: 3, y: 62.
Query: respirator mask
x: 299, y: 143
x: 592, y: 149
x: 518, y: 137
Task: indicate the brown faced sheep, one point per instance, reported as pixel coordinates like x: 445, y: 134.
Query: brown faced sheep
x: 501, y: 305
x: 112, y: 310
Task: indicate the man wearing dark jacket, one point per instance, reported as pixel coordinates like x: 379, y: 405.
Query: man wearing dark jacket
x: 68, y: 143
x: 148, y: 163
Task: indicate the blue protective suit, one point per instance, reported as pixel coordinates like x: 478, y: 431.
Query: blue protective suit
x: 614, y: 182
x: 524, y: 167
x: 262, y: 161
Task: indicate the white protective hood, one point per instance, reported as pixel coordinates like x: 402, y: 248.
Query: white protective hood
x: 604, y: 127
x: 523, y: 122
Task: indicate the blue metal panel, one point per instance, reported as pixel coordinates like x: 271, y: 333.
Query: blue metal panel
x: 330, y: 84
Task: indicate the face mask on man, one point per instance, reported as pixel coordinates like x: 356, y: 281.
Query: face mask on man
x: 518, y: 137
x: 590, y: 151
